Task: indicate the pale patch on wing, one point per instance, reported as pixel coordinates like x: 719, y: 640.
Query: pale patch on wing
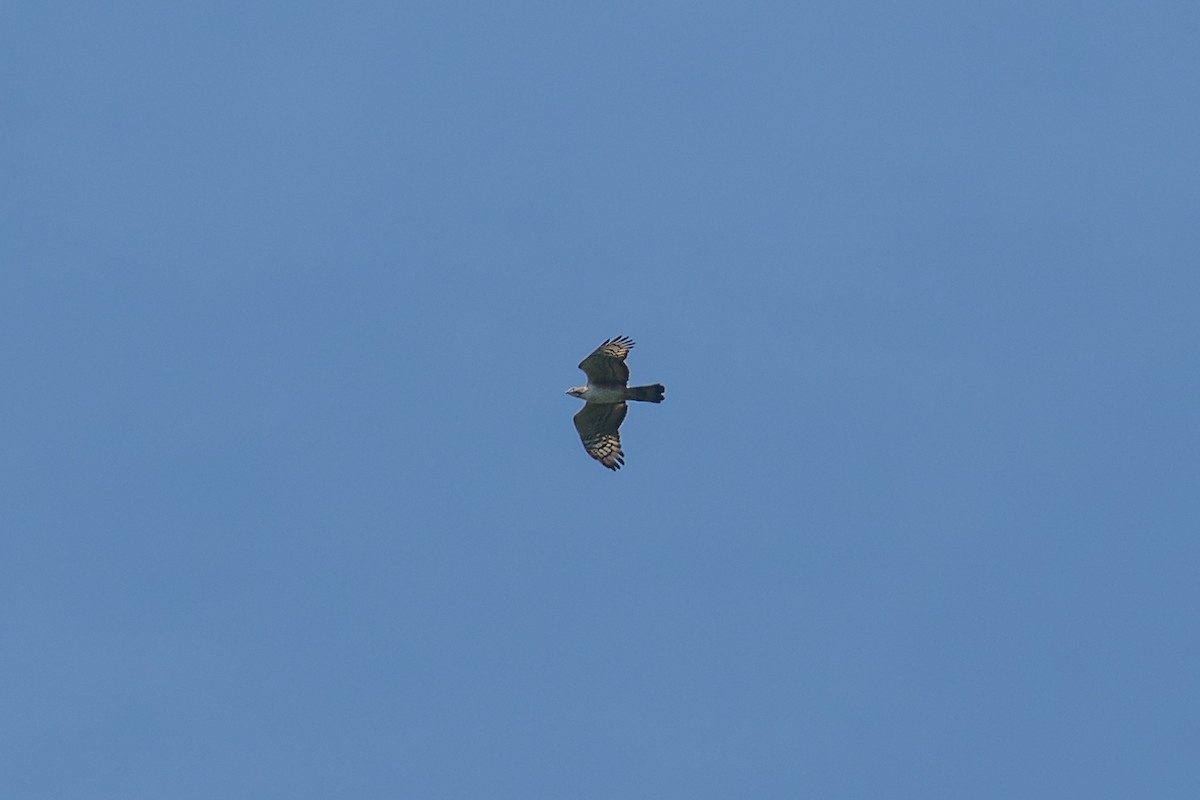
x: 606, y: 365
x: 599, y: 430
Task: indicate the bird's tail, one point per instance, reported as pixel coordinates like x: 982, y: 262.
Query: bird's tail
x: 649, y: 394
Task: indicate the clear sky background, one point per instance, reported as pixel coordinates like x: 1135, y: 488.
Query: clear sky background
x: 292, y: 502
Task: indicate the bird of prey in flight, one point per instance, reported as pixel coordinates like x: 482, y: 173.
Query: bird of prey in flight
x: 599, y: 422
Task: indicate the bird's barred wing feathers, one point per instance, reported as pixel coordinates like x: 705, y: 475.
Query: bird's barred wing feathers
x: 599, y: 429
x: 606, y: 365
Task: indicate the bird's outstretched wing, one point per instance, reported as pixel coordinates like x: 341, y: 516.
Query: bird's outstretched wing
x: 599, y: 427
x: 606, y: 365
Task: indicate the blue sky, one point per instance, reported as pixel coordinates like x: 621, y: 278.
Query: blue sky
x: 293, y: 505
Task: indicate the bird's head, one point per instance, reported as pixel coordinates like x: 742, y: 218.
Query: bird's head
x: 576, y: 391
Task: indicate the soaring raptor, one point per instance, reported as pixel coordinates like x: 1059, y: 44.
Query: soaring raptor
x: 599, y: 422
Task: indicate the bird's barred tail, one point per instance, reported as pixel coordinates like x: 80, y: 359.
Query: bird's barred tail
x: 649, y: 394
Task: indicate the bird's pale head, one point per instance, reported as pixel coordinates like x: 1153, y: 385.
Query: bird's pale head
x: 576, y: 391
